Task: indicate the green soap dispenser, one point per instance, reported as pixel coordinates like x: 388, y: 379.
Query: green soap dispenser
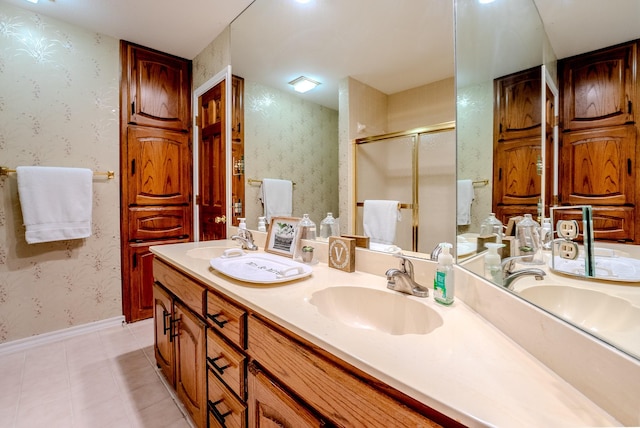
x: 443, y: 286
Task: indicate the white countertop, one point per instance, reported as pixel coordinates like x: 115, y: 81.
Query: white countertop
x: 466, y: 369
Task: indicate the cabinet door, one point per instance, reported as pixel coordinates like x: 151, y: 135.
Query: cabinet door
x: 190, y: 363
x: 519, y: 105
x: 598, y: 166
x: 158, y: 170
x: 271, y: 406
x: 598, y: 88
x: 140, y: 296
x: 516, y: 175
x: 163, y: 316
x: 154, y: 223
x: 159, y: 88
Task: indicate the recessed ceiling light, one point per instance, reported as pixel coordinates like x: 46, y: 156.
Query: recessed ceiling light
x: 32, y: 1
x: 303, y: 84
x: 485, y: 1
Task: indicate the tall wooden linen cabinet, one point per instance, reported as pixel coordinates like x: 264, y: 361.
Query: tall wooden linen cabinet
x: 599, y: 141
x: 155, y: 166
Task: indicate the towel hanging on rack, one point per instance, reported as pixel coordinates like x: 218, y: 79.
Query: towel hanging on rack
x: 277, y: 197
x: 56, y: 202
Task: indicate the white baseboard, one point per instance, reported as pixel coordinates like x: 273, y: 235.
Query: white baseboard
x: 55, y: 336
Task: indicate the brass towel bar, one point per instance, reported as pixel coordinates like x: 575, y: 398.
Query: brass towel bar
x: 109, y: 174
x: 256, y: 181
x: 480, y: 182
x: 401, y: 206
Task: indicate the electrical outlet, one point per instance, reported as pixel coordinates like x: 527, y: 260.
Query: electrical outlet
x: 568, y: 229
x: 568, y: 250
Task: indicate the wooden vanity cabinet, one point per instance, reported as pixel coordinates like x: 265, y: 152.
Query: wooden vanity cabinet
x: 233, y: 368
x: 180, y: 337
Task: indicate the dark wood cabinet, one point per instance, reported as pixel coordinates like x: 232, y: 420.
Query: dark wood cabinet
x: 599, y: 148
x: 518, y: 100
x: 158, y: 89
x: 517, y: 146
x: 237, y: 149
x: 155, y: 166
x: 599, y: 88
x: 158, y: 166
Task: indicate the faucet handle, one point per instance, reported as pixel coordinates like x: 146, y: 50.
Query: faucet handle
x: 405, y: 264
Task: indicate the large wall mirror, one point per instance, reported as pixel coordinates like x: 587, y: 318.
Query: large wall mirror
x: 385, y: 68
x: 509, y: 44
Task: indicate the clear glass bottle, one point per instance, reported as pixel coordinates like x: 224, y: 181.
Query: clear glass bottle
x: 492, y: 226
x: 546, y: 234
x: 329, y: 227
x: 528, y: 237
x: 307, y: 228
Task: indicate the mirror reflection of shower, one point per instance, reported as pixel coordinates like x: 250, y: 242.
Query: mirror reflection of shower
x: 416, y: 168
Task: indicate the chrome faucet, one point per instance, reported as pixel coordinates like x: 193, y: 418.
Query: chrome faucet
x: 245, y: 237
x: 402, y: 279
x: 509, y: 276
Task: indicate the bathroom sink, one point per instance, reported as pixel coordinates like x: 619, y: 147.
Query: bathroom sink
x: 378, y: 310
x: 207, y: 253
x: 589, y: 309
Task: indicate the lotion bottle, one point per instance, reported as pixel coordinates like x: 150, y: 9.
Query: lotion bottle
x: 443, y: 286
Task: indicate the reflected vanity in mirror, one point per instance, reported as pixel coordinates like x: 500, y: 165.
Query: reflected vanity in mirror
x: 545, y: 109
x: 373, y: 82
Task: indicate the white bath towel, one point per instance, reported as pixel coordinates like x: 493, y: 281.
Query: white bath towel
x: 56, y: 202
x: 380, y: 218
x: 465, y: 198
x: 277, y: 198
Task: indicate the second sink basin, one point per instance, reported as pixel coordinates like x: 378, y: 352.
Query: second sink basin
x: 590, y: 309
x: 378, y: 310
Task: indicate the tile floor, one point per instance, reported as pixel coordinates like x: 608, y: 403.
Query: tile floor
x: 102, y: 379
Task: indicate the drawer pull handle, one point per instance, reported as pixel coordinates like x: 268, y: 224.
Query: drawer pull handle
x: 216, y: 413
x: 218, y: 368
x: 214, y: 318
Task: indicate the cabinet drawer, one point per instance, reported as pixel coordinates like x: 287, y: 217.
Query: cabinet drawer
x: 151, y: 223
x: 227, y: 318
x: 342, y: 397
x: 227, y: 363
x: 225, y: 410
x: 188, y: 291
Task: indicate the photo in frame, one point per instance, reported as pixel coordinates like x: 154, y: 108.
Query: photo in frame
x: 281, y: 236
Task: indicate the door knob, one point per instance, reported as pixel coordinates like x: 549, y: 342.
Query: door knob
x: 222, y: 219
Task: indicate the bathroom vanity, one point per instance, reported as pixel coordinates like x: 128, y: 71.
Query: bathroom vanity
x: 292, y: 354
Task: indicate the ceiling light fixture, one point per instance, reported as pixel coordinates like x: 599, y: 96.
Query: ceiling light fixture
x: 303, y: 84
x: 485, y: 1
x: 32, y: 1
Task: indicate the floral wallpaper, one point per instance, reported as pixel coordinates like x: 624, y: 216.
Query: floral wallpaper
x: 475, y: 147
x: 58, y: 107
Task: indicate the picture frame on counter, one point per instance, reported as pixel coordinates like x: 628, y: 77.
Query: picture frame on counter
x: 281, y: 236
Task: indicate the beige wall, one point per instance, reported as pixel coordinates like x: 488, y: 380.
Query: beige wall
x: 58, y: 107
x: 422, y: 106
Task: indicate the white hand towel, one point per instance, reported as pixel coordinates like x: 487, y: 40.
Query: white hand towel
x: 380, y: 218
x: 465, y: 198
x: 56, y: 202
x: 277, y: 198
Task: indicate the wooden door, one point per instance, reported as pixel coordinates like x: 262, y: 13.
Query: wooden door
x: 159, y: 89
x: 598, y: 88
x: 163, y: 316
x: 237, y: 150
x: 190, y: 363
x: 211, y: 164
x: 599, y: 166
x: 516, y: 178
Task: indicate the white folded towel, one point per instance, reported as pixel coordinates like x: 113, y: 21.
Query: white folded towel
x: 277, y: 198
x: 56, y: 202
x: 380, y: 218
x: 465, y: 198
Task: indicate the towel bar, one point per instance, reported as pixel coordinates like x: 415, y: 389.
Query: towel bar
x: 480, y: 182
x: 109, y: 174
x: 401, y: 206
x: 256, y: 181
